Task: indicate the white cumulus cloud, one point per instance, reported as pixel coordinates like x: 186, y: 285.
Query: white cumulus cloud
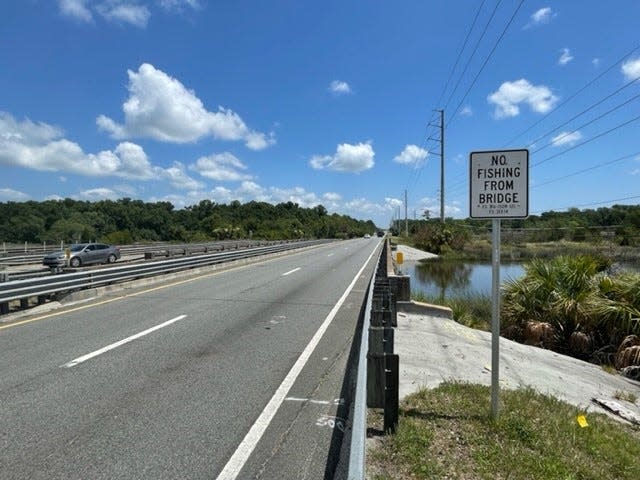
x: 124, y: 11
x: 631, y: 69
x: 39, y: 146
x: 542, y: 16
x: 170, y: 5
x: 392, y: 203
x: 565, y: 57
x: 348, y: 158
x: 362, y: 206
x: 412, y: 155
x: 510, y: 94
x: 9, y: 194
x: 162, y: 108
x: 177, y: 176
x: 76, y: 9
x: 222, y: 195
x: 136, y: 13
x: 249, y: 190
x: 42, y: 147
x: 566, y: 138
x: 99, y: 194
x: 223, y: 167
x: 339, y: 87
x: 332, y: 197
x: 432, y: 205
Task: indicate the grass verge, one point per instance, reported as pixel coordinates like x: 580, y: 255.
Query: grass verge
x: 471, y: 310
x: 447, y: 433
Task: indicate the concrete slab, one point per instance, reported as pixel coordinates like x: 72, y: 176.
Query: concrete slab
x: 434, y: 349
x: 411, y: 254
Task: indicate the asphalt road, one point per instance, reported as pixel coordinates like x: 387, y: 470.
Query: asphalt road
x: 234, y: 374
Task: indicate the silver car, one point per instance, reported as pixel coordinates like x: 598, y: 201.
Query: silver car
x: 83, y: 254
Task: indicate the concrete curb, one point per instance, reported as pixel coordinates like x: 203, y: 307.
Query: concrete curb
x: 425, y: 309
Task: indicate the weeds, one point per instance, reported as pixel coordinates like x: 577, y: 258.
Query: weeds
x: 448, y: 432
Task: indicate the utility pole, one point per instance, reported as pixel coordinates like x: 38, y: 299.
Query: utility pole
x: 441, y: 140
x: 442, y: 166
x: 406, y: 219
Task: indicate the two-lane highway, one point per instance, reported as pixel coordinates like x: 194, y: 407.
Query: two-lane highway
x: 233, y: 374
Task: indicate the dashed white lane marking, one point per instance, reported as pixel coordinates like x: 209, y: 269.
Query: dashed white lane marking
x: 336, y: 401
x: 88, y: 356
x: 291, y: 271
x: 235, y: 464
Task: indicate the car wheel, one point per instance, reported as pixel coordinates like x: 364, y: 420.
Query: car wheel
x: 111, y: 258
x: 75, y: 262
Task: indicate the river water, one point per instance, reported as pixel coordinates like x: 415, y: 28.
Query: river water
x: 453, y: 279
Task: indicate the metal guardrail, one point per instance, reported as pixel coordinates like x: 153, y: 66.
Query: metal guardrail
x: 24, y: 289
x: 359, y: 425
x: 6, y: 276
x: 377, y: 381
x: 33, y: 255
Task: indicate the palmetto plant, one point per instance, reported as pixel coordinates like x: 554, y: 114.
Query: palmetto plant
x: 572, y: 297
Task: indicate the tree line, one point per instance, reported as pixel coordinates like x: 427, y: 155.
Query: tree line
x: 619, y: 224
x: 126, y: 221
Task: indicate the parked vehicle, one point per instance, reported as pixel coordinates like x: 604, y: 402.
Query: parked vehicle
x: 83, y: 254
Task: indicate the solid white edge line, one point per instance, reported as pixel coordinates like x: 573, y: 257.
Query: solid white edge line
x: 291, y: 271
x: 88, y: 356
x: 232, y: 469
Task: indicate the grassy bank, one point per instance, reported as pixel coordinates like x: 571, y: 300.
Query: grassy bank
x: 479, y: 249
x: 447, y: 432
x: 471, y: 310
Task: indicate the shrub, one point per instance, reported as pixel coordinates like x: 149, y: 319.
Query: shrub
x: 569, y: 304
x: 437, y: 237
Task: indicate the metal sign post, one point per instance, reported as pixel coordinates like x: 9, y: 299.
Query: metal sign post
x: 495, y: 317
x: 499, y: 188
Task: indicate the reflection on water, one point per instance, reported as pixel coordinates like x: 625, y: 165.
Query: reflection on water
x: 453, y: 279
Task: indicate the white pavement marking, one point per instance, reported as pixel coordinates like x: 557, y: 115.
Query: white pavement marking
x: 335, y: 401
x: 291, y: 271
x: 309, y: 400
x: 88, y: 356
x: 232, y: 469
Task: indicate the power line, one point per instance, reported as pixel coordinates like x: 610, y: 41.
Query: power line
x: 586, y: 110
x: 460, y: 183
x: 553, y: 141
x: 484, y: 64
x: 415, y: 175
x: 587, y: 141
x: 484, y: 31
x: 504, y: 31
x: 464, y: 45
x: 578, y: 92
x: 456, y: 185
x: 600, y: 165
x: 632, y: 197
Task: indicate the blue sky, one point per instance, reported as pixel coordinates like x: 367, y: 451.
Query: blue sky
x: 325, y: 102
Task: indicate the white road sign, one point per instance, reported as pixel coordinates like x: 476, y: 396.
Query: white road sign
x: 499, y: 184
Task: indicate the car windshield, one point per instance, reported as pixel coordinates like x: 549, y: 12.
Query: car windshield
x: 77, y: 247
